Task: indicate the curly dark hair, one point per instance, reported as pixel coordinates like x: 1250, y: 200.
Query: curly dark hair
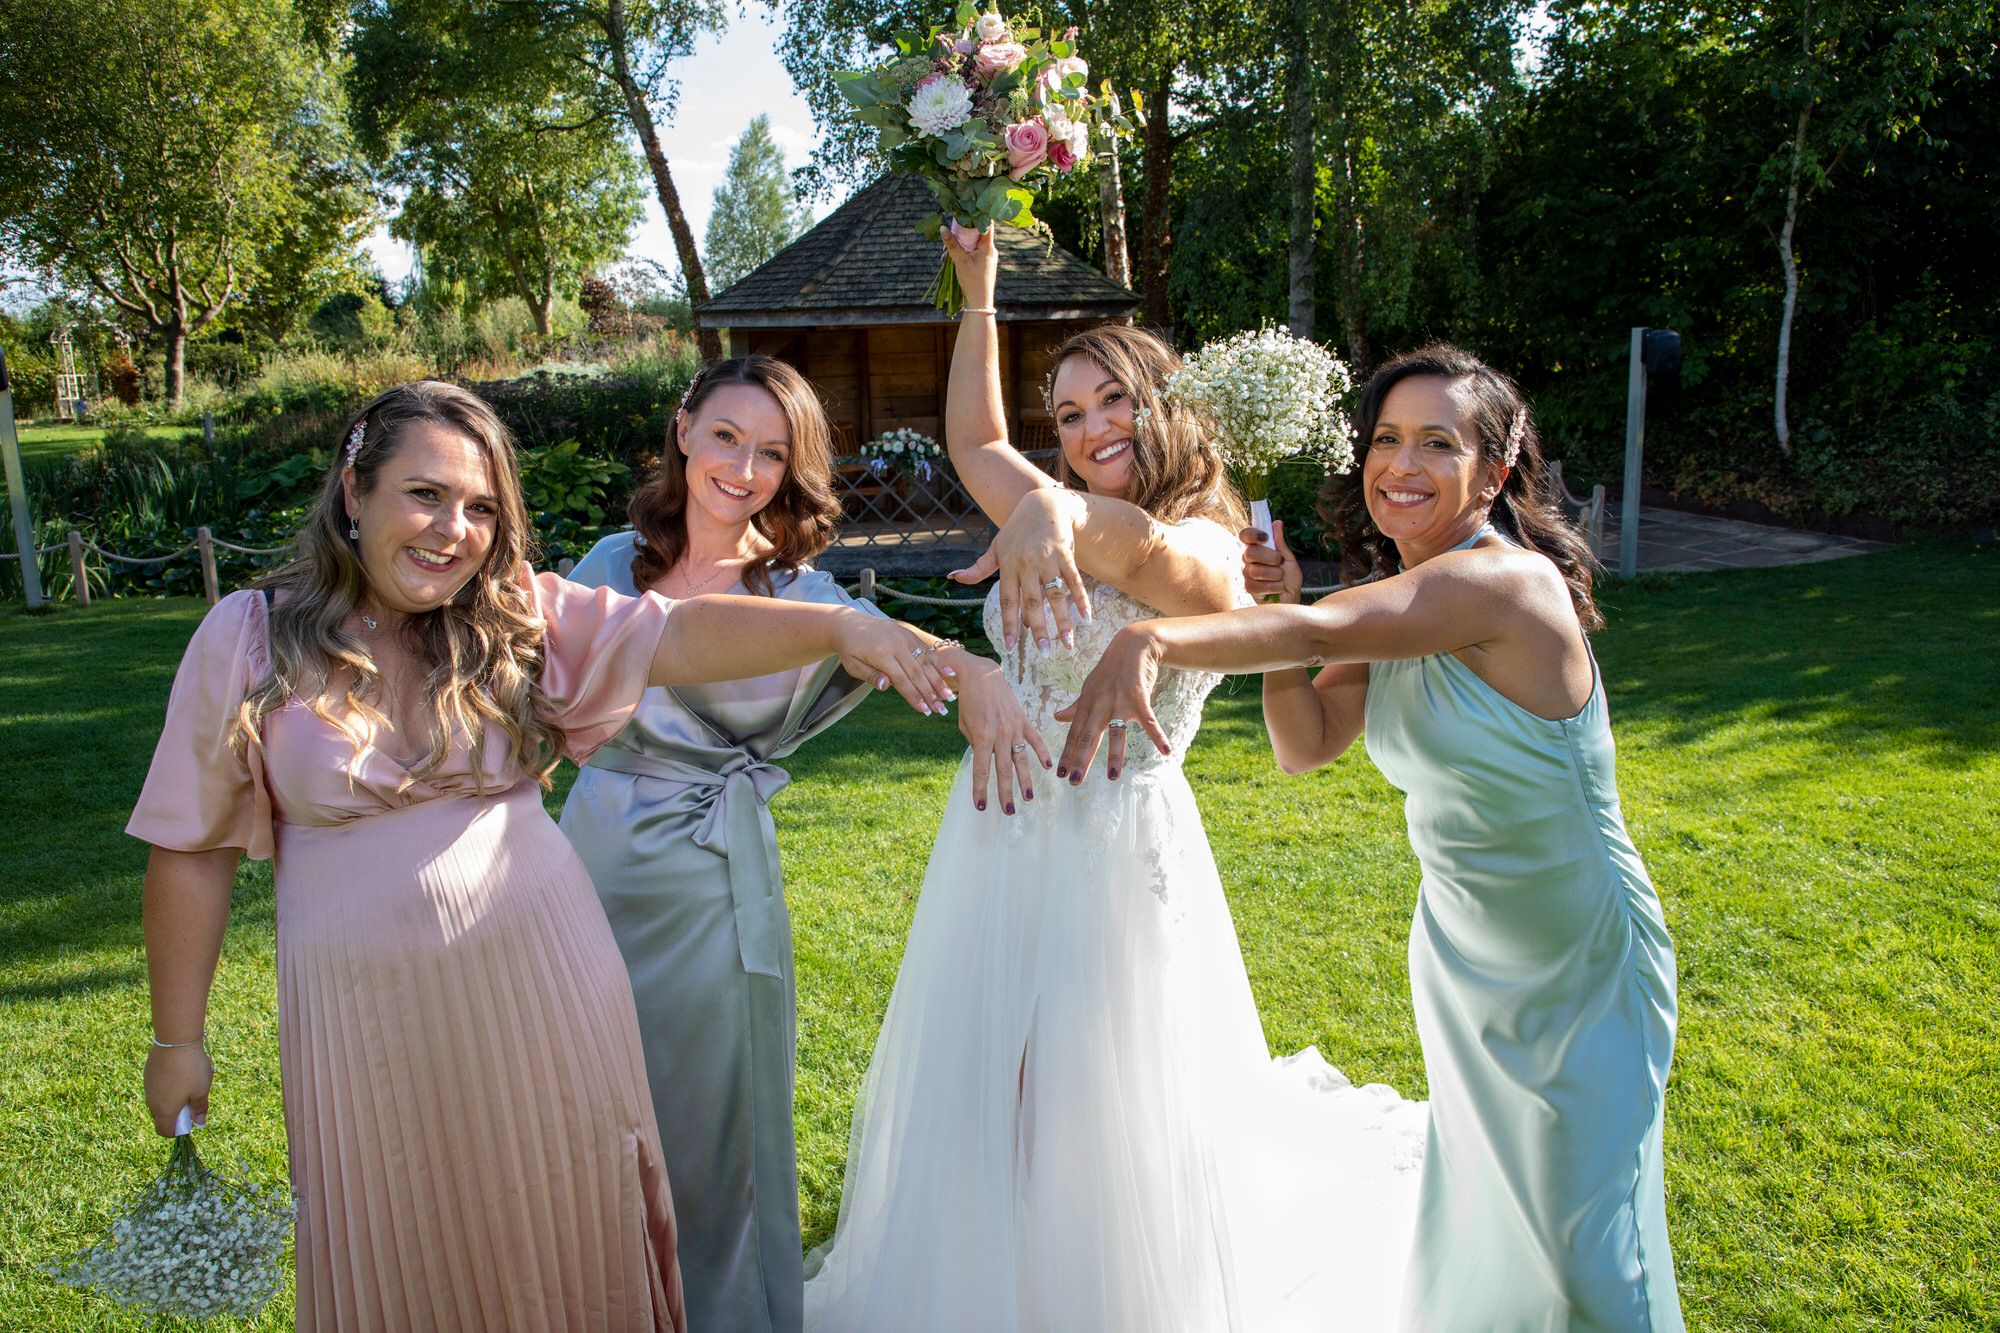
x: 1526, y: 508
x: 801, y: 517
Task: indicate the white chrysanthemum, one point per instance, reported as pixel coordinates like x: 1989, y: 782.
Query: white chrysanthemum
x: 940, y: 104
x: 1269, y: 396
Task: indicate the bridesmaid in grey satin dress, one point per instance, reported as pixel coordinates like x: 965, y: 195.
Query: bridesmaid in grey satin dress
x: 672, y: 818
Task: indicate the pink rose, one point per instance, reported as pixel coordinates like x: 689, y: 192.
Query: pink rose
x: 1000, y: 58
x: 1061, y: 156
x: 1027, y: 145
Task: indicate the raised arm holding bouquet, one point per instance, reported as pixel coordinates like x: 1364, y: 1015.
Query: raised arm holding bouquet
x: 986, y: 112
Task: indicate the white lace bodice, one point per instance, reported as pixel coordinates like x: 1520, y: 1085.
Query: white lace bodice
x: 1047, y: 682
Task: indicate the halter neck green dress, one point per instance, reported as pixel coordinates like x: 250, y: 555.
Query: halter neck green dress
x: 1543, y: 981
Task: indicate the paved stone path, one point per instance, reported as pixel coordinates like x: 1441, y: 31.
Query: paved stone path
x: 1672, y: 541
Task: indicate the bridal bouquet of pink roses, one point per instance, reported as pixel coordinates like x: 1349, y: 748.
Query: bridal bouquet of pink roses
x: 987, y: 112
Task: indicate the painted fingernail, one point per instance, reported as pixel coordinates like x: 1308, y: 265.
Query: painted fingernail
x: 1009, y: 807
x: 1069, y: 639
x: 950, y: 697
x: 1050, y: 763
x: 1028, y: 795
x: 881, y: 682
x: 1112, y: 774
x: 1010, y: 642
x: 979, y: 805
x: 949, y: 672
x: 1044, y: 644
x: 1076, y: 778
x: 1063, y: 771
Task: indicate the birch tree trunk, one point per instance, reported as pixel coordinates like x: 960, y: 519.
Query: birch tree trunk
x: 1111, y: 207
x: 1780, y: 398
x: 1302, y: 251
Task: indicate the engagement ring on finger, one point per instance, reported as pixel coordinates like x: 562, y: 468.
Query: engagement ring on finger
x: 918, y: 653
x: 1019, y: 746
x: 1118, y: 724
x: 1052, y: 585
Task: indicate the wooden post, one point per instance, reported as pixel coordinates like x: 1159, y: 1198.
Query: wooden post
x: 208, y: 430
x: 17, y: 493
x: 79, y: 578
x: 867, y: 592
x: 205, y: 541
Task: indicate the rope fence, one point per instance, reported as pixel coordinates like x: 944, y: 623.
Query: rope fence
x: 206, y: 543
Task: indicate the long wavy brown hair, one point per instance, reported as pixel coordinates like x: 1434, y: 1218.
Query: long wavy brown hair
x: 800, y: 519
x: 1526, y: 508
x: 483, y: 648
x: 1177, y: 472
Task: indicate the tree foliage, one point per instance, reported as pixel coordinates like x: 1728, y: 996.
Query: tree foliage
x: 755, y: 214
x: 164, y: 154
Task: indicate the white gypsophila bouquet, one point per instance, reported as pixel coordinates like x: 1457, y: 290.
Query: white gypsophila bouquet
x: 904, y: 450
x: 193, y: 1243
x: 1268, y: 397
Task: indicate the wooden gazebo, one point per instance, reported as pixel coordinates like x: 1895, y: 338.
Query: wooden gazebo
x: 846, y: 304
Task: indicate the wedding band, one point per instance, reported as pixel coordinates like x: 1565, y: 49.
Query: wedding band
x: 1019, y: 746
x: 918, y: 653
x: 1118, y: 723
x: 1052, y: 585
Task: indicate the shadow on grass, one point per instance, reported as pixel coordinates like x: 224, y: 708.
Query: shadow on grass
x: 61, y: 988
x: 1882, y: 653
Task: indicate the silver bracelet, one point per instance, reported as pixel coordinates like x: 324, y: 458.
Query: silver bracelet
x: 978, y: 310
x: 943, y: 644
x: 202, y: 1040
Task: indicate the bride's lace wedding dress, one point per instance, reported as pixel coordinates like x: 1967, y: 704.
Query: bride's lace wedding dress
x: 1071, y: 1121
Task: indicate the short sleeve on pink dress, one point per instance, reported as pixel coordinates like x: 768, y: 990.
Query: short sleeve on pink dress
x: 597, y: 655
x: 204, y: 793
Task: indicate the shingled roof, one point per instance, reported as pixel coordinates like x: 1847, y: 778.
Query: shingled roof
x: 866, y: 263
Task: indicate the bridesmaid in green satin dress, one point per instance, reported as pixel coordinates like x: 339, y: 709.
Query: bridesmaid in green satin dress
x: 672, y: 819
x: 1541, y: 970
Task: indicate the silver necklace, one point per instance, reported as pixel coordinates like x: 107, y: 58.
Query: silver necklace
x: 693, y: 588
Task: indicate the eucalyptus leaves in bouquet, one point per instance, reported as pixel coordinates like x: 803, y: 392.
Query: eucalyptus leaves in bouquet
x: 987, y: 111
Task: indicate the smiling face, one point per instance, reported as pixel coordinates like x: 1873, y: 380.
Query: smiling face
x: 737, y: 445
x: 430, y: 520
x: 1426, y: 480
x: 1093, y: 414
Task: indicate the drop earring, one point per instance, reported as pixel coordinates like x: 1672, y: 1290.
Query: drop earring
x: 354, y: 529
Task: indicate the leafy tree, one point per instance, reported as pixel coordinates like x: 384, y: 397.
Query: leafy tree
x: 755, y: 213
x: 514, y: 196
x: 158, y: 152
x: 615, y: 53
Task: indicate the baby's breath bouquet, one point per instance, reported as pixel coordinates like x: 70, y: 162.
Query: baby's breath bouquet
x: 193, y: 1243
x: 1268, y: 397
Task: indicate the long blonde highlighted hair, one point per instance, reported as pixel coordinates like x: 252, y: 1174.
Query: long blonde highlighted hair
x: 483, y: 647
x: 1177, y: 472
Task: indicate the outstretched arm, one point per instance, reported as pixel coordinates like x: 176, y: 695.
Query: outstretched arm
x: 1311, y: 719
x: 1451, y: 602
x: 733, y: 638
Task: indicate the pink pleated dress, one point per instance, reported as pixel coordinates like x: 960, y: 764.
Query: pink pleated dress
x: 471, y: 1136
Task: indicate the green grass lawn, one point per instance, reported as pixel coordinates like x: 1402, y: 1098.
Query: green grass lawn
x: 1810, y: 764
x: 42, y: 442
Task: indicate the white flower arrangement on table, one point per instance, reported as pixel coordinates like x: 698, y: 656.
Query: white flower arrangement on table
x: 1268, y: 397
x: 192, y: 1243
x: 987, y: 113
x: 903, y: 450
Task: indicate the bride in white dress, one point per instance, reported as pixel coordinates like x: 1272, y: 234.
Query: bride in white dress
x: 1071, y: 1121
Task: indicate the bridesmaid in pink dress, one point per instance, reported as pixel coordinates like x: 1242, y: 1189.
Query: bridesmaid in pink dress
x: 471, y: 1136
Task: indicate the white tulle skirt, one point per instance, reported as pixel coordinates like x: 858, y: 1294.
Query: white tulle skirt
x: 1071, y: 1120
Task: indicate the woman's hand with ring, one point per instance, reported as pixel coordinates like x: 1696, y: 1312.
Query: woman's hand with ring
x: 1006, y: 746
x: 1035, y: 556
x: 889, y: 653
x: 1118, y: 693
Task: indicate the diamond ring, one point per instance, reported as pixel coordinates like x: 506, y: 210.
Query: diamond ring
x: 1019, y: 746
x: 1118, y: 724
x: 1052, y: 585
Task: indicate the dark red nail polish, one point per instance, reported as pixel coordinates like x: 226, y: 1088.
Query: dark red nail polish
x: 979, y: 805
x: 1063, y: 771
x: 1113, y: 775
x: 1028, y: 795
x: 1009, y: 807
